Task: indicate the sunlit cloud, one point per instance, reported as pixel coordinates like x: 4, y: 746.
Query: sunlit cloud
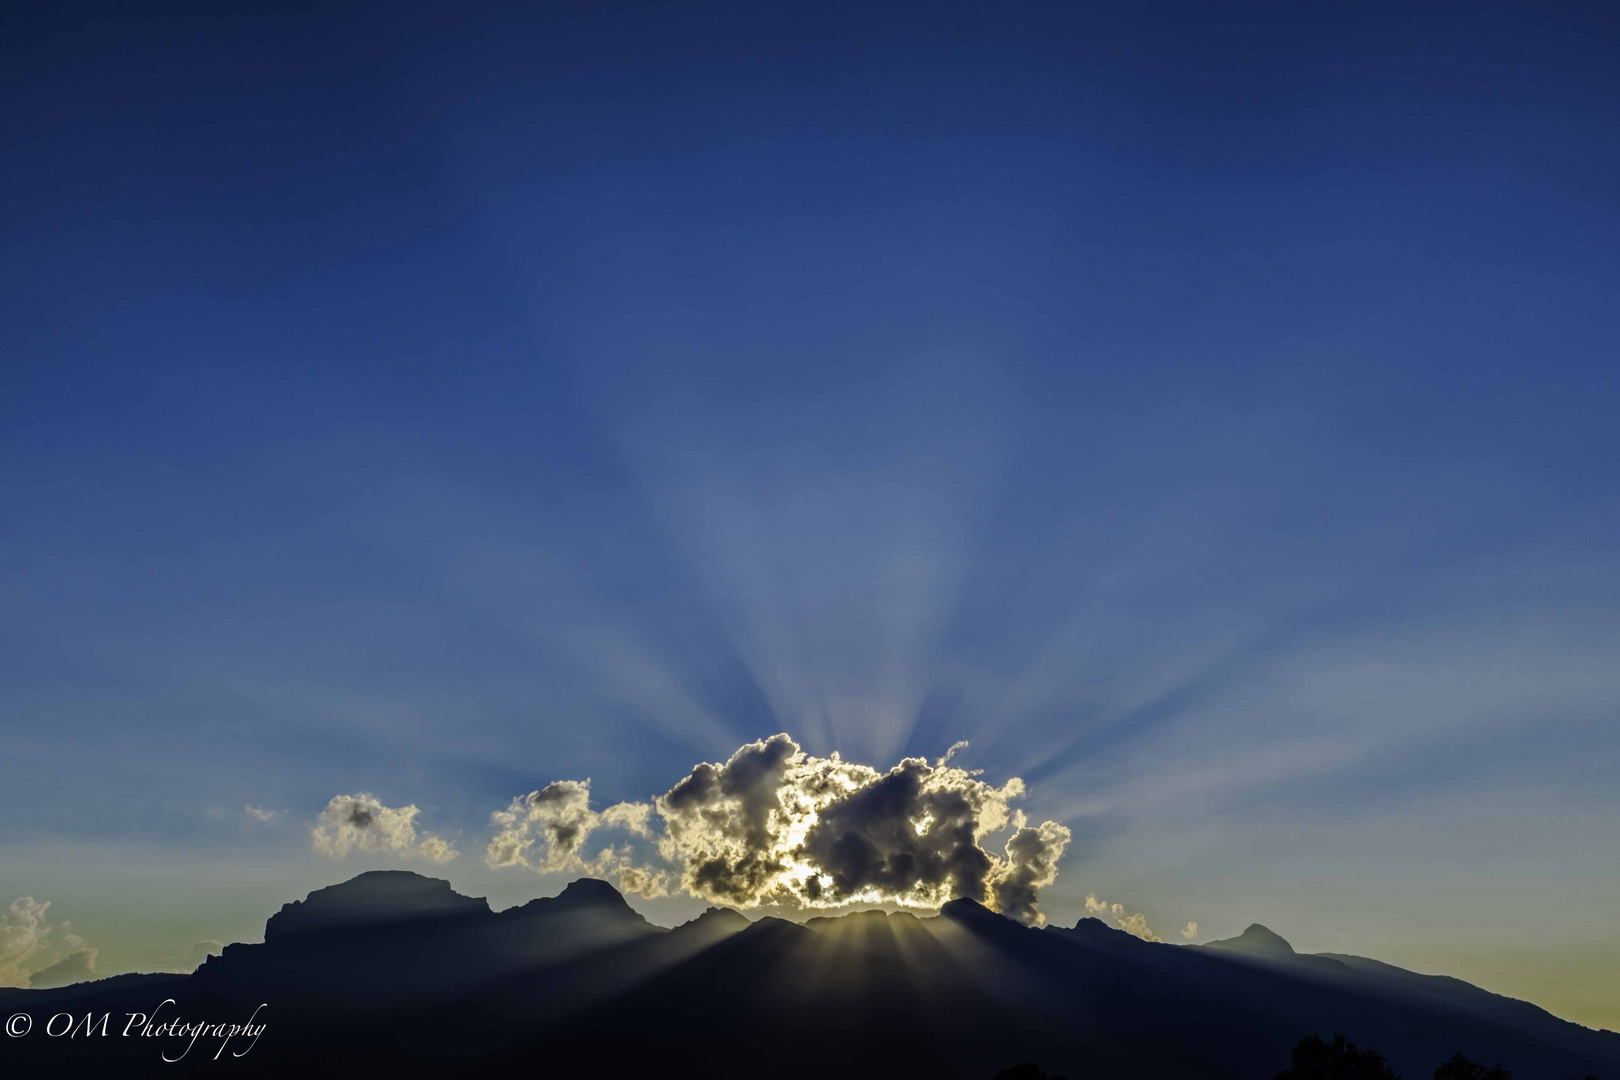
x: 775, y: 825
x: 1133, y: 923
x: 1032, y: 858
x: 29, y: 956
x: 547, y: 830
x: 24, y: 936
x: 362, y: 823
x: 259, y: 813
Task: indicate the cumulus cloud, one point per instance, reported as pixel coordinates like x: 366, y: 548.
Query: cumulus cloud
x: 1134, y: 924
x: 734, y: 828
x: 78, y: 966
x: 1189, y: 931
x: 24, y: 937
x: 362, y: 823
x: 775, y: 825
x: 1032, y: 858
x: 546, y: 831
x: 639, y: 879
x: 26, y: 946
x: 1103, y: 908
x: 200, y: 952
x: 259, y: 813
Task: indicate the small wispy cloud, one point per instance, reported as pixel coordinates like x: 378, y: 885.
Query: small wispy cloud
x: 259, y: 813
x: 200, y: 952
x: 1133, y: 923
x: 77, y: 966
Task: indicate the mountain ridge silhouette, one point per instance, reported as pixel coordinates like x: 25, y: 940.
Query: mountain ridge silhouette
x: 395, y: 974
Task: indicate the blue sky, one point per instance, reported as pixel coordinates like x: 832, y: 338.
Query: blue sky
x: 1207, y: 416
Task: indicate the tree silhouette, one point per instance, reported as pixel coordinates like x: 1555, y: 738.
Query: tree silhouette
x: 1460, y: 1068
x: 1337, y: 1060
x: 1025, y: 1070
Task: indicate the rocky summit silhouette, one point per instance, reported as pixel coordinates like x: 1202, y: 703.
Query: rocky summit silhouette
x: 1258, y: 941
x: 393, y: 974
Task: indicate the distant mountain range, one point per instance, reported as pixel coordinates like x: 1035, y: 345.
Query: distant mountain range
x: 396, y: 975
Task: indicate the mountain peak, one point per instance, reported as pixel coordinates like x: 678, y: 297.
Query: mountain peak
x: 372, y: 898
x: 1089, y: 926
x: 769, y: 928
x: 970, y: 912
x: 1096, y: 934
x: 584, y: 896
x: 1257, y: 940
x: 713, y: 925
x: 722, y: 916
x: 962, y: 905
x: 591, y: 891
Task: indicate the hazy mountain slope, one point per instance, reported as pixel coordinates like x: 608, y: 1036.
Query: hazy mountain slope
x: 1437, y: 995
x: 1444, y: 990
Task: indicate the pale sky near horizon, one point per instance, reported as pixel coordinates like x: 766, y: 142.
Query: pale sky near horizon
x: 1209, y: 419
